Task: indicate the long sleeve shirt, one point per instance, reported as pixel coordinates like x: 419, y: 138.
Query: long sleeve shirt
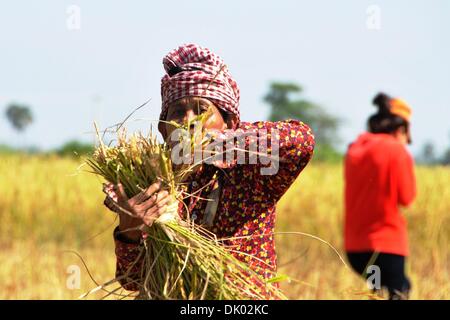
x: 246, y: 210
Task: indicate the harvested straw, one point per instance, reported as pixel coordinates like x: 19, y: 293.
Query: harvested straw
x: 182, y: 260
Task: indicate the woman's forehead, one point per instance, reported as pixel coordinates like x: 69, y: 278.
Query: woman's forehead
x: 190, y: 101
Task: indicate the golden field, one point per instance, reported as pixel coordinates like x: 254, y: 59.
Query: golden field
x: 48, y: 210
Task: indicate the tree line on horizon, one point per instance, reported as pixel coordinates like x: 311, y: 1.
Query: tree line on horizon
x: 285, y: 101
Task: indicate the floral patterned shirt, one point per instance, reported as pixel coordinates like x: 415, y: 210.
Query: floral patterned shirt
x: 246, y: 210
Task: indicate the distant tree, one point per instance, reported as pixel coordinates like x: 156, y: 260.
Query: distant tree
x: 19, y: 116
x: 428, y: 154
x: 446, y: 158
x: 75, y: 148
x: 286, y: 104
x: 5, y: 149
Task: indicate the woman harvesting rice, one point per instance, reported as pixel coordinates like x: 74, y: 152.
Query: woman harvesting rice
x: 234, y: 200
x: 379, y: 176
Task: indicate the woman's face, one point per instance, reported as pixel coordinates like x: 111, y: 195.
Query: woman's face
x: 186, y: 109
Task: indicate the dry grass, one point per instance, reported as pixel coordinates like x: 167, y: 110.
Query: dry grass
x: 46, y: 211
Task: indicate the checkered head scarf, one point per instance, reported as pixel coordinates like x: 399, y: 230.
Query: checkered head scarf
x: 194, y: 71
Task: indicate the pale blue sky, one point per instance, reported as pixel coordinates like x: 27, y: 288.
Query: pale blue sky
x: 113, y: 63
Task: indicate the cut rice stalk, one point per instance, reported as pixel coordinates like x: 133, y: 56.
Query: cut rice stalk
x: 182, y: 260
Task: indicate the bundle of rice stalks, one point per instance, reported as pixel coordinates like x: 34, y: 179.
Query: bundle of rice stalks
x: 182, y: 260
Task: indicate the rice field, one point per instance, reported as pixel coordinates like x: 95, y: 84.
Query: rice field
x: 50, y: 211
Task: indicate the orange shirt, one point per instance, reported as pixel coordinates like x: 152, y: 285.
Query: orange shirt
x: 379, y: 176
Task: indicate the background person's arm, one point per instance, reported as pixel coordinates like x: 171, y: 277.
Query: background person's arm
x: 406, y: 181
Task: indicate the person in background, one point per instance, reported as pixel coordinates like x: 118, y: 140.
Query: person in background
x: 379, y: 179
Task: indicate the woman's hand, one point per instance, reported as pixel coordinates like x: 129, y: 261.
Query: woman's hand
x: 144, y: 208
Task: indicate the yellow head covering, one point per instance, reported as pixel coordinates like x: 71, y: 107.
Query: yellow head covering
x: 400, y: 108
